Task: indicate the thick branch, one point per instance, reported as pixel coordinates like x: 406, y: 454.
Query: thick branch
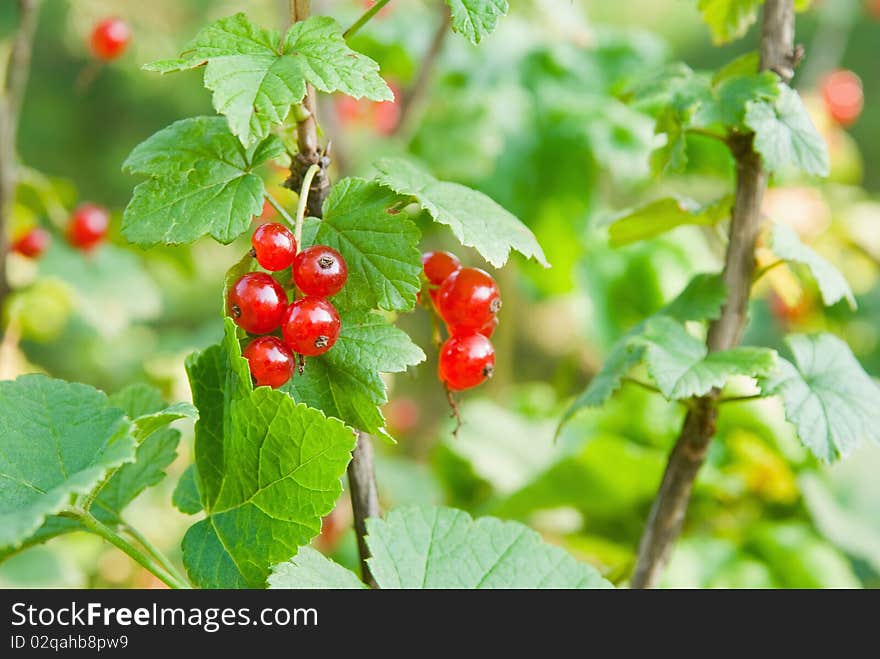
x: 364, y: 498
x: 667, y: 514
x: 10, y: 109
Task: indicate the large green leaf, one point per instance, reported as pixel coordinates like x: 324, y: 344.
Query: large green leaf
x: 785, y: 135
x: 186, y: 496
x: 310, y: 569
x: 475, y: 219
x: 832, y: 285
x: 344, y: 382
x: 682, y: 366
x: 257, y: 75
x: 475, y: 19
x: 57, y: 440
x: 427, y: 547
x: 832, y: 402
x: 378, y: 243
x: 658, y: 217
x: 268, y: 470
x: 729, y: 19
x: 202, y: 182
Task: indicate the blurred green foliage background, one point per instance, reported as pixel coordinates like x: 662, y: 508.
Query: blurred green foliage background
x: 535, y: 118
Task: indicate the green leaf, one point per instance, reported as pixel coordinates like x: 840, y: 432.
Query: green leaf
x: 427, y: 547
x: 203, y: 182
x: 186, y: 496
x: 256, y: 75
x: 785, y: 135
x: 733, y: 93
x: 380, y: 246
x: 658, y: 217
x: 744, y: 65
x: 475, y: 19
x: 827, y: 395
x: 345, y: 383
x: 729, y: 19
x: 268, y: 470
x: 310, y: 569
x: 57, y: 440
x: 475, y: 219
x: 786, y: 244
x: 682, y: 366
x: 702, y: 299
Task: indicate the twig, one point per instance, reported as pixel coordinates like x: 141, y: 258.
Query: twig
x: 667, y: 513
x: 17, y: 71
x: 364, y: 19
x: 364, y: 499
x: 453, y: 410
x: 412, y: 98
x: 302, y: 203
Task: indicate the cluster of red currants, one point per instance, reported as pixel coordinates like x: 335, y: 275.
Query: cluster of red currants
x: 258, y: 304
x: 468, y: 301
x: 87, y: 229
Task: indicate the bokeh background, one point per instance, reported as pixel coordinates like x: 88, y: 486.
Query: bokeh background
x: 534, y: 118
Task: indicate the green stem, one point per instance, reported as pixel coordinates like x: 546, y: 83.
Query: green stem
x: 94, y: 526
x: 364, y: 19
x: 643, y: 385
x: 702, y: 132
x: 741, y: 399
x: 303, y: 200
x: 278, y: 207
x: 767, y: 268
x: 153, y: 551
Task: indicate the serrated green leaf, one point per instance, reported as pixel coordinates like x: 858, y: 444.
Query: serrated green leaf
x: 427, y: 547
x: 203, y: 183
x: 344, y: 382
x: 786, y: 244
x: 310, y: 569
x: 475, y: 19
x: 733, y: 94
x: 380, y: 247
x: 729, y: 19
x: 475, y: 219
x: 57, y: 440
x: 658, y: 217
x: 186, y: 493
x: 256, y: 76
x: 682, y: 366
x: 268, y: 470
x: 832, y: 402
x: 785, y: 136
x: 744, y: 65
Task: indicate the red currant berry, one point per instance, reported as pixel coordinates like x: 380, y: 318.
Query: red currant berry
x: 88, y: 226
x: 256, y: 303
x: 110, y: 38
x: 33, y: 243
x: 468, y: 299
x: 439, y: 265
x: 274, y: 246
x: 270, y: 361
x: 311, y: 326
x: 843, y: 96
x: 489, y: 328
x: 466, y: 361
x: 319, y: 271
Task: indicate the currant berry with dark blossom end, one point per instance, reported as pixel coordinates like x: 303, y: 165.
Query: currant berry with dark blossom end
x: 270, y: 361
x: 88, y: 226
x: 468, y: 300
x: 274, y: 246
x: 110, y: 38
x: 33, y: 243
x: 466, y: 361
x: 256, y: 303
x: 311, y: 326
x: 319, y: 271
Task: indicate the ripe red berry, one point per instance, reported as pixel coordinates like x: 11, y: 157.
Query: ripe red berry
x: 468, y: 299
x: 439, y: 265
x: 311, y: 326
x: 319, y: 271
x: 843, y: 96
x: 270, y: 361
x: 274, y: 246
x: 256, y: 303
x: 88, y: 226
x: 466, y: 361
x: 489, y: 328
x: 33, y: 243
x: 110, y: 38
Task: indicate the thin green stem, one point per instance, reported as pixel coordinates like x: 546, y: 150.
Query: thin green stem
x: 643, y: 385
x: 93, y: 525
x: 702, y: 132
x: 153, y: 551
x: 741, y: 399
x: 364, y: 19
x: 278, y: 207
x: 303, y: 200
x: 767, y: 268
